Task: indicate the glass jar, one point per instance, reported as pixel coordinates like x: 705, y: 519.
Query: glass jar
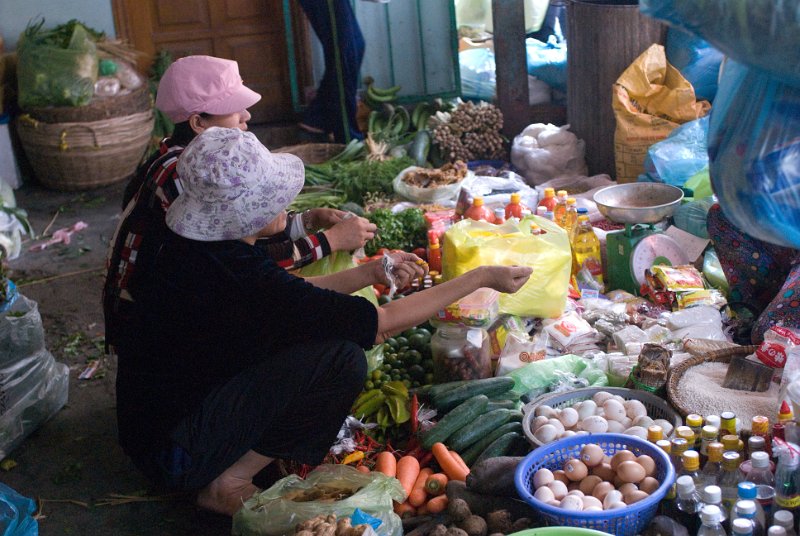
x: 460, y: 353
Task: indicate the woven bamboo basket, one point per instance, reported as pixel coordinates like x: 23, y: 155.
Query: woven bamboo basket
x: 313, y: 153
x: 85, y: 155
x: 138, y: 100
x: 716, y: 356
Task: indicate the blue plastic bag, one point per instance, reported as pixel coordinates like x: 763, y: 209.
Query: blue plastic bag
x: 478, y: 78
x: 697, y: 61
x: 682, y: 154
x: 754, y: 152
x: 763, y: 34
x: 548, y: 61
x: 16, y: 514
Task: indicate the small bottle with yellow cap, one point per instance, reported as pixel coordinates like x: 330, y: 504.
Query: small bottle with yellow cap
x: 712, y: 470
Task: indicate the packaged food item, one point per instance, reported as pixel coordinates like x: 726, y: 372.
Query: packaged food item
x: 630, y: 340
x: 678, y: 278
x: 478, y: 309
x: 499, y: 330
x: 692, y: 298
x: 521, y: 349
x: 460, y: 353
x: 567, y: 328
x: 778, y: 341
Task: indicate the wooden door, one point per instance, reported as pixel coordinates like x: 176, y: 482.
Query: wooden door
x: 248, y: 31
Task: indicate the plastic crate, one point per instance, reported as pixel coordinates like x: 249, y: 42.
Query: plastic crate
x: 627, y: 521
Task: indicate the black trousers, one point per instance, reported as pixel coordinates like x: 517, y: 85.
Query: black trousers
x: 290, y: 406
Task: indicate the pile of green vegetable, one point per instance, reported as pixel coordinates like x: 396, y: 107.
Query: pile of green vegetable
x: 405, y: 230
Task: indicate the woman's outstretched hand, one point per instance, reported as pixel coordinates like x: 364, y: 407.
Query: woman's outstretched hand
x: 508, y: 279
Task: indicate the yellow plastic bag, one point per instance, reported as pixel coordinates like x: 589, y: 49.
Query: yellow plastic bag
x: 337, y: 261
x: 470, y: 244
x: 650, y: 99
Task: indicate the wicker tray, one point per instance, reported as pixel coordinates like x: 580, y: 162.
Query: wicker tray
x: 85, y: 155
x: 657, y: 408
x: 138, y: 100
x: 676, y: 373
x: 313, y: 153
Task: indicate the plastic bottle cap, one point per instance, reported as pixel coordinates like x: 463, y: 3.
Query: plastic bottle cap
x: 664, y: 445
x: 713, y: 420
x: 694, y: 420
x: 500, y: 213
x: 776, y: 530
x: 516, y: 197
x: 714, y: 451
x: 549, y: 192
x: 710, y: 514
x: 549, y: 215
x: 583, y: 210
x: 746, y: 507
x: 742, y: 526
x: 685, y: 485
x: 759, y: 425
x: 709, y: 432
x: 654, y: 433
x: 477, y: 201
x: 691, y: 460
x: 730, y: 442
x: 730, y: 460
x: 686, y: 433
x: 571, y: 200
x: 755, y: 444
x: 759, y: 459
x: 785, y: 413
x: 712, y: 494
x: 747, y: 490
x: 784, y: 518
x: 540, y: 210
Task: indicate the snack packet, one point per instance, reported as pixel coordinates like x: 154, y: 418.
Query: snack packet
x: 778, y: 342
x: 678, y: 278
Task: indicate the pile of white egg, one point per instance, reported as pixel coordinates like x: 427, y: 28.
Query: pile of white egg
x: 603, y: 413
x: 593, y: 481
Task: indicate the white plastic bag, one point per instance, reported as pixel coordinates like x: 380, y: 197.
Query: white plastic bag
x: 441, y: 194
x: 542, y: 152
x: 33, y: 386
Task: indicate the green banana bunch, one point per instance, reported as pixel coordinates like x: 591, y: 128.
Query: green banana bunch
x: 375, y: 97
x: 420, y: 116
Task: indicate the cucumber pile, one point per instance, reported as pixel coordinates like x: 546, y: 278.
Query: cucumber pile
x: 479, y: 421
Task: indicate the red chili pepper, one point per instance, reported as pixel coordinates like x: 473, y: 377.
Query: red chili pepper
x: 414, y: 411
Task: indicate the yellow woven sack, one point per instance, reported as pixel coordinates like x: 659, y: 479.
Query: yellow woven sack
x: 470, y: 244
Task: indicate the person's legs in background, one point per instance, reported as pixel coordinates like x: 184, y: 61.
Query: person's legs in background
x: 784, y: 309
x: 755, y: 270
x: 324, y: 113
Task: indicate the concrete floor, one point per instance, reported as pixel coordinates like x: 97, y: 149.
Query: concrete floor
x: 72, y: 464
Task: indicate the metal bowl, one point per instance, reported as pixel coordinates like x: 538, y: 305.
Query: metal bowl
x: 638, y: 202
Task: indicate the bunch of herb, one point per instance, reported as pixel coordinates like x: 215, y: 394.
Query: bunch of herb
x: 358, y: 178
x: 405, y: 230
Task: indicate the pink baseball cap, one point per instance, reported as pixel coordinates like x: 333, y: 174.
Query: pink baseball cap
x: 203, y: 84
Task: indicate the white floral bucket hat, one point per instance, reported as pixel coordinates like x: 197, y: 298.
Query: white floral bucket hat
x: 232, y: 186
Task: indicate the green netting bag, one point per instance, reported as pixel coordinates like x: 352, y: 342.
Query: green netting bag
x: 273, y: 512
x: 53, y: 71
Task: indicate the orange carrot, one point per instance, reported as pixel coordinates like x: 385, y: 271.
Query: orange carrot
x: 417, y: 497
x: 435, y: 484
x: 404, y: 509
x: 453, y: 469
x: 437, y: 504
x: 458, y: 459
x: 386, y: 463
x: 407, y: 472
x: 363, y: 469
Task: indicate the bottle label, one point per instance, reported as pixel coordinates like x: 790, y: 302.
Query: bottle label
x: 788, y: 502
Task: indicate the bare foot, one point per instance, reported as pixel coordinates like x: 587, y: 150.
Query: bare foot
x: 226, y: 495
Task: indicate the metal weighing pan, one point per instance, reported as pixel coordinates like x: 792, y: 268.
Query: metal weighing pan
x: 638, y: 202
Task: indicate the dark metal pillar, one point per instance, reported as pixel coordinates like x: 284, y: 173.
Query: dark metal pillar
x: 508, y: 20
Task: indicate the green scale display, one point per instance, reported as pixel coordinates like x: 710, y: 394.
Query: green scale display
x: 640, y: 245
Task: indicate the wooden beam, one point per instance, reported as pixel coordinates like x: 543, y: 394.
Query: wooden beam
x: 508, y: 18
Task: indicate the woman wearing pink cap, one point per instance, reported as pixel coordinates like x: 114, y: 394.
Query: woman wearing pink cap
x: 238, y: 362
x: 196, y: 93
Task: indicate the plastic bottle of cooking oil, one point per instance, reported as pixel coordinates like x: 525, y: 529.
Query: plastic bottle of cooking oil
x: 586, y: 250
x: 570, y: 216
x: 560, y: 210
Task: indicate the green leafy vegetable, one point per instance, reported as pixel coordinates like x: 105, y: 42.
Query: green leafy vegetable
x: 405, y: 230
x: 357, y: 178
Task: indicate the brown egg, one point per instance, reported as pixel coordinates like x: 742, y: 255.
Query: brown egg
x: 576, y: 470
x: 558, y: 488
x: 631, y: 471
x: 648, y: 463
x: 542, y: 477
x: 618, y: 482
x: 649, y: 484
x: 572, y: 486
x: 589, y: 501
x: 588, y: 484
x: 604, y: 471
x: 559, y: 474
x: 592, y: 454
x: 628, y: 487
x: 601, y: 490
x: 544, y: 494
x: 635, y: 496
x: 621, y: 456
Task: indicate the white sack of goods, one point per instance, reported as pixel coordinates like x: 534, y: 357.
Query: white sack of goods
x: 543, y: 152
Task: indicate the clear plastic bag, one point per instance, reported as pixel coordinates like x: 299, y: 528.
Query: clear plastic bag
x: 681, y: 155
x: 33, y: 386
x: 762, y: 34
x: 754, y: 150
x: 16, y: 514
x: 49, y: 75
x: 426, y: 195
x: 540, y: 375
x: 269, y: 513
x: 337, y: 261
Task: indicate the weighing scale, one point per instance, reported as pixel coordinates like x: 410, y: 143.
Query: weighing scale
x: 640, y: 245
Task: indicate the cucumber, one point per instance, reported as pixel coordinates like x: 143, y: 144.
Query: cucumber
x: 428, y: 391
x: 462, y: 415
x: 516, y: 416
x: 489, y: 387
x: 420, y: 147
x: 472, y: 432
x: 471, y: 454
x: 500, y: 446
x: 501, y: 404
